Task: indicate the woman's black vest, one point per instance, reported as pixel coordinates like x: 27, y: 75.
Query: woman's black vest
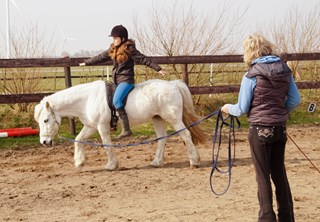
x: 269, y: 96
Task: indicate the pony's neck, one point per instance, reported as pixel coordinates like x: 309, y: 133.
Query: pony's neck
x: 68, y: 102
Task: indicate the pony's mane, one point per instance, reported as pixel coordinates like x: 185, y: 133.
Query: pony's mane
x: 63, y: 96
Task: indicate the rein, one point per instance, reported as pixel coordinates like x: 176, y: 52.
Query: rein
x: 231, y: 146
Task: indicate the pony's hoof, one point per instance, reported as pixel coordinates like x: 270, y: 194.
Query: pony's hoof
x: 155, y: 163
x: 78, y: 169
x: 194, y: 166
x: 79, y: 165
x: 111, y: 166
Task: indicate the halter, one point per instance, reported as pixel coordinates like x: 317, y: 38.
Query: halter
x: 55, y: 121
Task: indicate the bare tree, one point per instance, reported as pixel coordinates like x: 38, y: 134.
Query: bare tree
x: 28, y: 43
x: 298, y: 32
x: 175, y: 29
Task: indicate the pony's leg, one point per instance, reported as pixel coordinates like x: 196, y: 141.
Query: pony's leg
x: 194, y: 157
x: 160, y: 129
x: 79, y: 157
x: 106, y: 139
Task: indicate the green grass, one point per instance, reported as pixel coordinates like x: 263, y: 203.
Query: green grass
x: 142, y: 132
x: 19, y: 142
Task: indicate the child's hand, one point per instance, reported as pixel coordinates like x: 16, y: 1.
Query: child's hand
x: 162, y: 72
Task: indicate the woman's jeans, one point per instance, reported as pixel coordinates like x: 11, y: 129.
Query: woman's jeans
x: 267, y: 145
x: 121, y: 92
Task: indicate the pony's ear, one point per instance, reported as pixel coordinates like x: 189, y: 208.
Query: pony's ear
x: 37, y: 111
x: 48, y: 107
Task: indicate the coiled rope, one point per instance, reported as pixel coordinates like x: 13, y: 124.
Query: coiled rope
x: 231, y: 148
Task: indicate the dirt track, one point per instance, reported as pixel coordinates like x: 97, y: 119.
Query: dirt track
x: 41, y: 184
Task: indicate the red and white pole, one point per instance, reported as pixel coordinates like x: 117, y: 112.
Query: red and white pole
x: 18, y: 132
x: 14, y: 129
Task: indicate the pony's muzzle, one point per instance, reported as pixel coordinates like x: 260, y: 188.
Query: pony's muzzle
x: 46, y: 142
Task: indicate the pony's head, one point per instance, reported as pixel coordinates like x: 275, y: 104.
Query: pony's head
x: 49, y: 122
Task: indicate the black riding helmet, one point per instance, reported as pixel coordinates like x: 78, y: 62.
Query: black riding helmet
x: 119, y: 31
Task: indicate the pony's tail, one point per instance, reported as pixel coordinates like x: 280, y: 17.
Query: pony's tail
x: 189, y: 115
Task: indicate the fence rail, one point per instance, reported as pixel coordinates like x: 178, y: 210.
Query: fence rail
x: 66, y: 63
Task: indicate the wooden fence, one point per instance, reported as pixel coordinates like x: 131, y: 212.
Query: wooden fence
x: 67, y: 63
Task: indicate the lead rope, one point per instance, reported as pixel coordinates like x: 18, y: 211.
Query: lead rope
x: 218, y: 131
x: 216, y: 112
x: 303, y: 153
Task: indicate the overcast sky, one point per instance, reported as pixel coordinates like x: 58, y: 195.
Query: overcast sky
x: 90, y: 21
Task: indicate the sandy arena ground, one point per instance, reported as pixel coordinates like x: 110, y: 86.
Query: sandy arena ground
x: 41, y: 184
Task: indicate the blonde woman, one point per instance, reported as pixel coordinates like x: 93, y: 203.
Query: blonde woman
x: 267, y: 94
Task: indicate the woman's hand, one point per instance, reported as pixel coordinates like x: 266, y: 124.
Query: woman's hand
x: 225, y: 108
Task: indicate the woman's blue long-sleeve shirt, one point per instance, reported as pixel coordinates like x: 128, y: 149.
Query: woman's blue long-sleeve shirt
x: 248, y: 85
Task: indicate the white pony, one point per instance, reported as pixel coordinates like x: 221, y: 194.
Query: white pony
x: 156, y: 100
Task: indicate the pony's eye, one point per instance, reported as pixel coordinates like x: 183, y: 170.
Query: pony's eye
x: 46, y: 120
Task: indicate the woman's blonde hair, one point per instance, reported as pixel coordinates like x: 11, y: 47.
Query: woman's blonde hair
x: 255, y: 46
